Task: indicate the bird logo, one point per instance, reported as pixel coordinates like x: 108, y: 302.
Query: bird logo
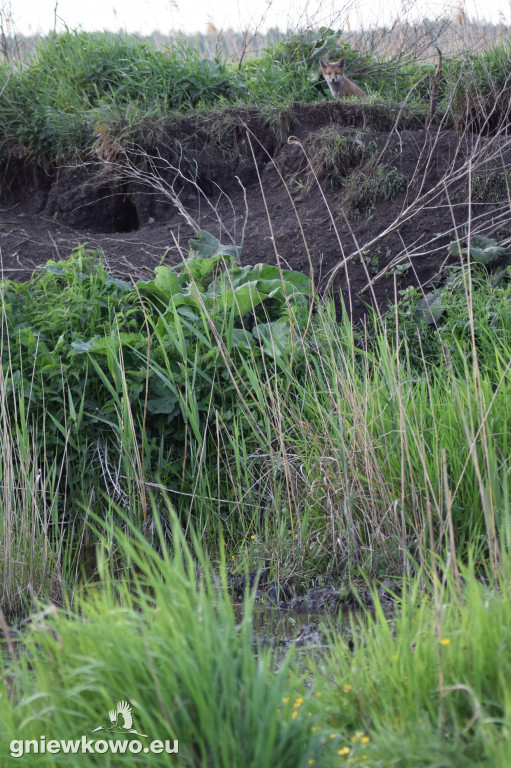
x: 123, y: 710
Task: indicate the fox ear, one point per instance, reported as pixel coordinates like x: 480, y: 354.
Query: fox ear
x: 342, y: 63
x: 323, y: 64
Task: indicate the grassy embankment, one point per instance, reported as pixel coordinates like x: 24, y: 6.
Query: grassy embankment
x: 234, y: 418
x: 80, y: 86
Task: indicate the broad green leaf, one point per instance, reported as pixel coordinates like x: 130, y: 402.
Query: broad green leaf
x: 481, y: 241
x: 54, y: 269
x: 205, y: 245
x: 495, y: 252
x: 122, y: 284
x: 431, y: 307
x: 164, y: 286
x: 84, y: 346
x: 241, y: 340
x: 197, y: 270
x: 275, y: 337
x: 103, y: 345
x: 294, y: 281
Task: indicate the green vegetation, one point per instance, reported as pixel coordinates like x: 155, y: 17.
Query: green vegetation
x: 163, y: 436
x: 369, y: 185
x: 74, y: 85
x: 170, y: 645
x: 210, y: 382
x: 493, y: 187
x: 335, y: 155
x: 94, y: 367
x: 428, y: 687
x: 480, y: 97
x: 351, y: 165
x: 322, y: 450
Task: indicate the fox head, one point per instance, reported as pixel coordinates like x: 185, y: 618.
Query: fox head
x: 333, y: 71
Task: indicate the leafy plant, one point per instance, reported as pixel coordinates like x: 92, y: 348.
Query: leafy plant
x: 98, y: 361
x: 481, y: 249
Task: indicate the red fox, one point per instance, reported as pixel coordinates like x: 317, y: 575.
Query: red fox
x: 338, y: 83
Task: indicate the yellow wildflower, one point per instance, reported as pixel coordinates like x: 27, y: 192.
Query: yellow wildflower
x: 343, y: 751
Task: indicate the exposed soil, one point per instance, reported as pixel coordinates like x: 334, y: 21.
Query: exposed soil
x: 247, y: 180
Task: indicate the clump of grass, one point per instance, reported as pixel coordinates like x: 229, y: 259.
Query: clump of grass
x: 369, y: 185
x: 272, y: 82
x: 480, y: 98
x: 50, y: 109
x: 334, y: 155
x: 493, y: 187
x: 31, y: 539
x: 430, y: 686
x: 381, y: 113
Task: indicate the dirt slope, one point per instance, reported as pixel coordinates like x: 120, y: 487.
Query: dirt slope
x: 270, y: 186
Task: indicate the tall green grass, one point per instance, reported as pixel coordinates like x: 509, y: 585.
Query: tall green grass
x: 342, y: 453
x: 165, y: 640
x: 54, y: 106
x: 428, y: 685
x: 301, y: 444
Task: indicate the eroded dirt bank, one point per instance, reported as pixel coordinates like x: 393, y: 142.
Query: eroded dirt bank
x: 319, y: 184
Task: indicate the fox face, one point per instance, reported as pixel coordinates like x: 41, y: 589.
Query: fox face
x: 339, y: 85
x: 333, y: 71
